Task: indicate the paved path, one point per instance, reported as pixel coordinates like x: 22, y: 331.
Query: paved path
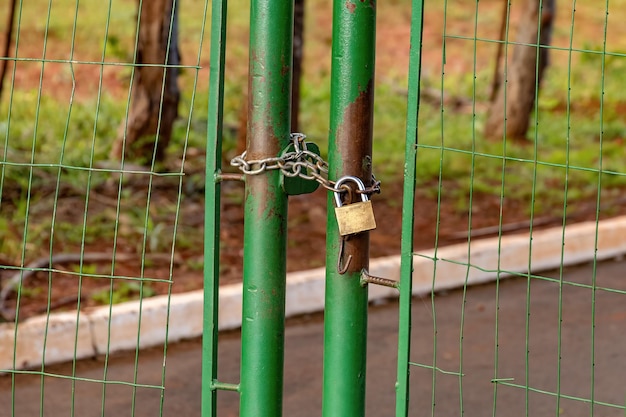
x: 304, y: 359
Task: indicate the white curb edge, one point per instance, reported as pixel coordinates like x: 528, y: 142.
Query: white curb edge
x: 114, y: 329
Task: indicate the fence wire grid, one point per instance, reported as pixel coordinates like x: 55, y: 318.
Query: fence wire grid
x: 83, y: 229
x: 535, y: 343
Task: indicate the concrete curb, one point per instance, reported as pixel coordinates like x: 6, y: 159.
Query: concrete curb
x: 436, y: 270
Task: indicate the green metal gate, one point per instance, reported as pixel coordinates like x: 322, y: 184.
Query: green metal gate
x: 265, y: 241
x: 261, y: 382
x: 541, y: 375
x: 83, y: 228
x: 269, y: 174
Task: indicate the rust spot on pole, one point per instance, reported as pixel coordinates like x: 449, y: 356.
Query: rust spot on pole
x: 354, y: 139
x: 350, y: 6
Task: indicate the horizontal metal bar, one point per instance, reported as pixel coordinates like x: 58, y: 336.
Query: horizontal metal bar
x: 100, y: 63
x: 366, y: 278
x: 224, y: 386
x: 229, y: 177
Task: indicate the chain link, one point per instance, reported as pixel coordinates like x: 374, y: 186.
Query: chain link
x: 299, y: 163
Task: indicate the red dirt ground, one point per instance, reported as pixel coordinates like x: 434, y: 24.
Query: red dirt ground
x: 306, y: 247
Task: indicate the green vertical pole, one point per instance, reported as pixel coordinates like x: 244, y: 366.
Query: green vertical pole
x: 350, y: 153
x: 265, y: 218
x: 212, y: 207
x: 408, y: 206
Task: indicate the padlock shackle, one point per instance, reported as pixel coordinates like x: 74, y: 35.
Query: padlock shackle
x: 359, y: 183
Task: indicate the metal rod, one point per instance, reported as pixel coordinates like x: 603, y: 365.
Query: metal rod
x: 265, y: 216
x: 212, y: 207
x: 224, y: 386
x: 230, y: 177
x: 350, y: 153
x: 366, y: 278
x: 408, y: 210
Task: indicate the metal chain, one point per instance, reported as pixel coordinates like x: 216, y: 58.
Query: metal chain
x: 299, y: 163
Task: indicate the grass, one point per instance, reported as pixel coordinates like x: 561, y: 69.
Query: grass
x: 122, y: 292
x: 48, y: 134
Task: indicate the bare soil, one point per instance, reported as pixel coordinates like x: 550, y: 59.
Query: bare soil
x: 439, y: 223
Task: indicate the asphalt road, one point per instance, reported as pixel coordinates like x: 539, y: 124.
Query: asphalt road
x: 523, y: 313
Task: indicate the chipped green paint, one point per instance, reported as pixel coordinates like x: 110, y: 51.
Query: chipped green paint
x: 350, y: 153
x: 265, y: 211
x: 270, y: 67
x: 355, y: 65
x: 353, y: 60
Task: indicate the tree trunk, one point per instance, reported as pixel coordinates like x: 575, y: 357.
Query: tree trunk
x: 141, y: 133
x: 8, y: 35
x: 523, y: 78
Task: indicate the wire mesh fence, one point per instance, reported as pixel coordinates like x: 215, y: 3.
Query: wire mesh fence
x: 543, y: 341
x: 91, y: 211
x: 92, y: 215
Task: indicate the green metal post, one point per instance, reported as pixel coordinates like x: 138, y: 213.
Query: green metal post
x: 350, y: 153
x: 265, y: 221
x: 212, y: 207
x: 408, y: 206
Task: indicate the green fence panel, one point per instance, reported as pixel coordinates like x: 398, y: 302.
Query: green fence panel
x: 474, y: 154
x: 83, y: 229
x: 91, y: 218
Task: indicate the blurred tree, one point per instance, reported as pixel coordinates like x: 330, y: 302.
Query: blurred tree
x: 512, y: 101
x: 7, y: 43
x: 154, y: 93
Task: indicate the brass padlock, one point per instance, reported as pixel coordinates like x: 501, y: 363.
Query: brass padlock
x: 356, y: 217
